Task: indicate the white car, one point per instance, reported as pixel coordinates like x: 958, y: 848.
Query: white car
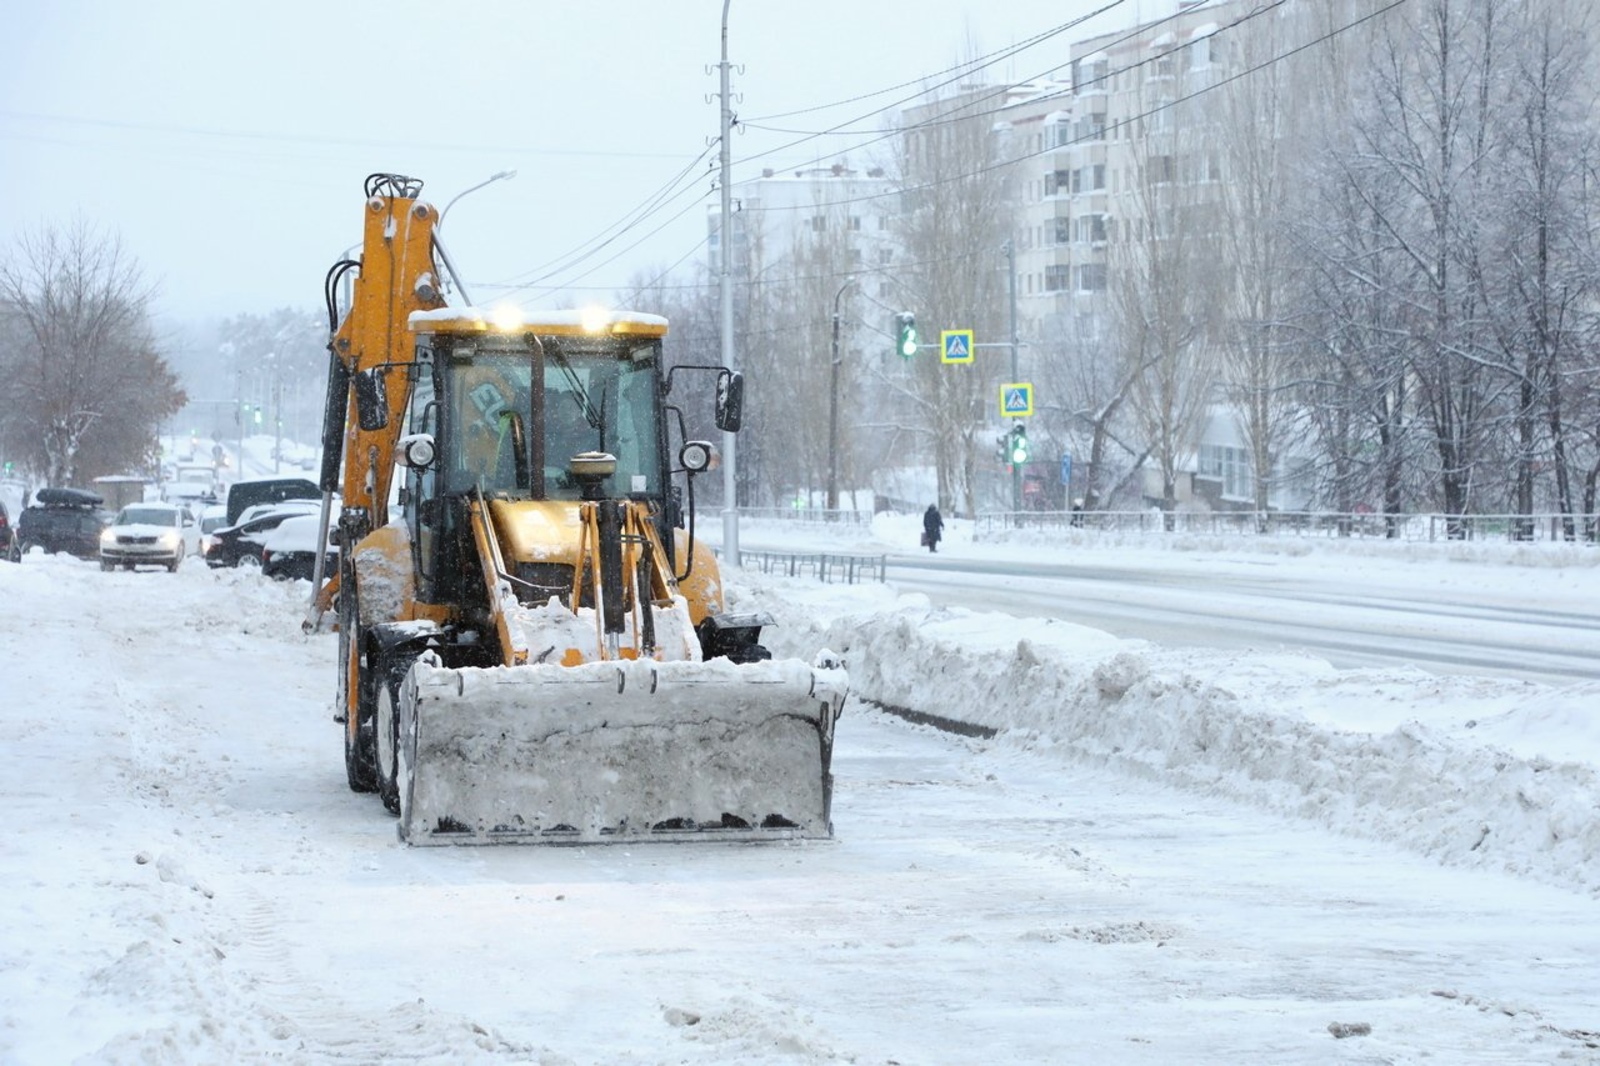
x: 149, y: 534
x: 289, y: 550
x: 212, y: 518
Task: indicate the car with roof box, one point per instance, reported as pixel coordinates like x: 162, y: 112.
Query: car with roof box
x: 63, y: 520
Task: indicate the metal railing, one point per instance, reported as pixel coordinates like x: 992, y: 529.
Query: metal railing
x: 849, y: 569
x: 817, y: 515
x: 1408, y: 527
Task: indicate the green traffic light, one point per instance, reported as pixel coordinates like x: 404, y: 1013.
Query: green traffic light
x: 906, y: 342
x: 1019, y: 446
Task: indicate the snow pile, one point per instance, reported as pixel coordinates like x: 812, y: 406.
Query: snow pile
x: 1473, y: 772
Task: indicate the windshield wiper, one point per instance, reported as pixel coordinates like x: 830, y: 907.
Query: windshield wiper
x: 580, y: 395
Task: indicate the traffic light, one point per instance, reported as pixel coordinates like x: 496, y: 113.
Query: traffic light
x: 10, y: 466
x: 906, y: 334
x: 1019, y: 445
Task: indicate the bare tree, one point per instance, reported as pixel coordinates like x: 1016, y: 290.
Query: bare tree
x: 956, y: 216
x: 1541, y: 285
x: 1091, y: 385
x: 1430, y: 129
x: 1165, y: 277
x: 88, y: 388
x: 1257, y: 141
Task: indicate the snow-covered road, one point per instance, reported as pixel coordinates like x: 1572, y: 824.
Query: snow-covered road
x: 186, y: 878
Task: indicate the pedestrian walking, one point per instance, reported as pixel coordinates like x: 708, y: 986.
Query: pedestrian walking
x: 932, y: 527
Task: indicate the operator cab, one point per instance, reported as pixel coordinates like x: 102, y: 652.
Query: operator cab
x: 509, y: 406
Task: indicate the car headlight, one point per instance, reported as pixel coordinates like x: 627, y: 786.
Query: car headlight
x: 169, y: 540
x: 107, y: 537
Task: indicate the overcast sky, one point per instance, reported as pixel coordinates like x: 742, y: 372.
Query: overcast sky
x: 227, y: 143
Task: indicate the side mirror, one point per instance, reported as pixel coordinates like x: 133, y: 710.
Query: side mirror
x: 372, y: 400
x: 730, y: 401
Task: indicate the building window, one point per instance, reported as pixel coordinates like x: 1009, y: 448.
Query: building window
x: 818, y: 223
x: 1063, y: 230
x: 1092, y: 228
x: 1058, y: 181
x: 1092, y: 277
x: 1229, y: 465
x: 855, y: 222
x: 1056, y: 276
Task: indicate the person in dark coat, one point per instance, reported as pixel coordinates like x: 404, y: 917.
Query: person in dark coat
x: 932, y: 527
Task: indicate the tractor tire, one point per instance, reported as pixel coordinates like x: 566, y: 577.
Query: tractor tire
x: 388, y: 674
x: 360, y: 762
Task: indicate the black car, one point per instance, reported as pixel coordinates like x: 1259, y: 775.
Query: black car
x: 8, y: 539
x: 246, y: 494
x: 240, y: 545
x: 64, y: 520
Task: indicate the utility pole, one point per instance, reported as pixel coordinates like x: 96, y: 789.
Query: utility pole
x: 730, y: 481
x: 277, y: 416
x: 1016, y: 471
x: 833, y: 405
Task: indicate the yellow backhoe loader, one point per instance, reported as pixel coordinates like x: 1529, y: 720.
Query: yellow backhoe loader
x: 532, y: 646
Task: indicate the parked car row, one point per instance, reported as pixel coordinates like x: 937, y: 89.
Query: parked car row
x: 240, y: 544
x: 277, y: 536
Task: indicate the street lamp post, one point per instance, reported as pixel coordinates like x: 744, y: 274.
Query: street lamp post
x: 833, y: 405
x: 490, y: 180
x: 438, y: 228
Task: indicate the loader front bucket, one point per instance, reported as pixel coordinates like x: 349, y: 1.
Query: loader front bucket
x: 622, y: 751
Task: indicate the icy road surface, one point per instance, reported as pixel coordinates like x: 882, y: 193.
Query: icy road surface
x: 185, y: 878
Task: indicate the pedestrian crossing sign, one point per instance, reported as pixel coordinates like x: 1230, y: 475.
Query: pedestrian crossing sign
x: 1016, y: 399
x: 955, y: 346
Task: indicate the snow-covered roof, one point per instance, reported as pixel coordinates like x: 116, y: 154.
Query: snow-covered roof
x: 1163, y: 41
x: 1205, y: 30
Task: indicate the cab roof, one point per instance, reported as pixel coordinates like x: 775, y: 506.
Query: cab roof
x: 575, y: 323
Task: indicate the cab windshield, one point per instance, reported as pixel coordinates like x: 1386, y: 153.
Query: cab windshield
x: 518, y: 416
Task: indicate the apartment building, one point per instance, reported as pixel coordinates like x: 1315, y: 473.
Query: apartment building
x: 1090, y: 146
x: 781, y: 212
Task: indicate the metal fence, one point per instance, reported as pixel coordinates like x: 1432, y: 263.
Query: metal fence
x: 809, y: 515
x: 1410, y: 527
x: 848, y: 569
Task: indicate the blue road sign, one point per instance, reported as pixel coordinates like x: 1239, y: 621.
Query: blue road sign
x: 1016, y: 399
x: 955, y: 346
